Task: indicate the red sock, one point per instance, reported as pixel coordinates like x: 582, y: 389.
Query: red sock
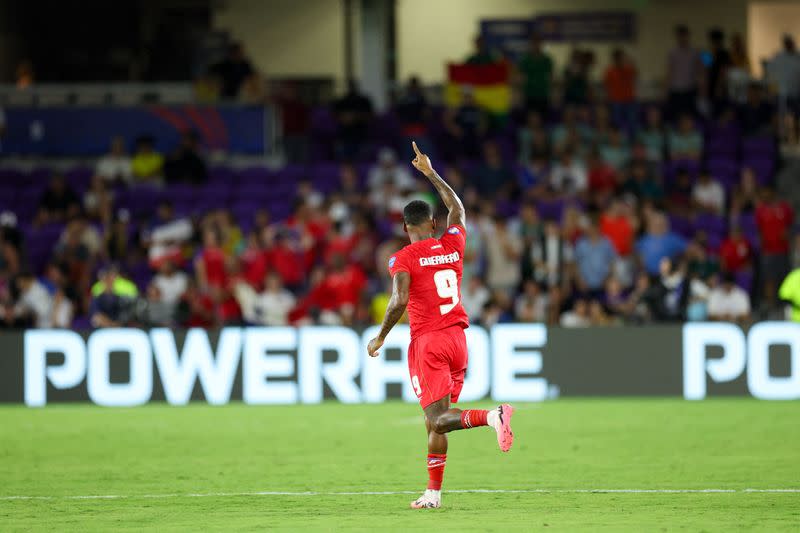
x: 472, y: 418
x: 436, y: 462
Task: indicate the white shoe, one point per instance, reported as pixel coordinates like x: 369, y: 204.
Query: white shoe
x: 430, y: 499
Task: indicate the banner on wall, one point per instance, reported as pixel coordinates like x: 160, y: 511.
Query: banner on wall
x: 490, y: 86
x: 508, y: 362
x: 512, y: 35
x: 52, y: 131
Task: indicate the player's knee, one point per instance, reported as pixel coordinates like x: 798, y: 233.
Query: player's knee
x: 437, y: 424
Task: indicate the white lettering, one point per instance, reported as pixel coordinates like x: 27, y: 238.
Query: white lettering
x: 37, y: 344
x: 696, y: 338
x: 439, y: 259
x: 340, y: 376
x: 139, y: 387
x: 511, y: 355
x: 258, y: 366
x: 759, y: 381
x: 197, y: 361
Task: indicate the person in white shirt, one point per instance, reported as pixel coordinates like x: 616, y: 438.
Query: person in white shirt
x: 387, y: 170
x: 474, y: 296
x: 569, y: 176
x: 784, y: 70
x: 729, y: 302
x: 503, y: 252
x: 577, y: 317
x: 268, y: 308
x: 708, y: 194
x: 116, y: 165
x: 34, y: 301
x: 531, y: 305
x: 171, y: 283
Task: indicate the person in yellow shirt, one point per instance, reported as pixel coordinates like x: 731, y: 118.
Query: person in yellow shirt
x: 147, y: 165
x: 790, y: 292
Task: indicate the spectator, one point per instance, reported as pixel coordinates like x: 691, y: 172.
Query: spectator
x: 147, y: 165
x: 353, y: 113
x: 113, y: 299
x: 166, y: 235
x: 679, y: 198
x: 170, y: 282
x: 774, y: 218
x: 658, y: 243
x: 156, y: 311
x: 536, y: 70
x: 209, y: 265
x: 718, y: 70
x: 186, y: 165
x: 116, y: 237
x: 699, y: 263
x: 685, y: 143
x: 474, y: 297
x: 497, y: 310
x: 577, y: 316
x: 784, y: 71
x: 196, y: 308
x: 529, y: 227
x: 233, y: 71
x: 652, y: 136
x: 534, y: 178
x: 708, y: 195
x: 756, y: 115
x: 492, y: 177
x: 684, y: 72
x: 616, y: 151
x: 745, y: 194
x: 34, y: 305
x: 642, y: 184
x: 533, y: 140
x: 115, y: 166
x: 412, y: 109
x: 295, y: 122
x: 735, y: 252
x: 503, y: 250
x: 569, y: 177
x: 98, y: 200
x: 739, y: 57
x: 270, y: 307
x: 576, y: 77
x: 551, y: 256
x: 58, y: 202
x: 483, y: 55
x: 464, y: 127
x: 388, y: 170
x: 669, y: 295
x: 617, y: 225
x: 620, y: 85
x: 728, y: 302
x: 531, y: 305
x: 594, y: 258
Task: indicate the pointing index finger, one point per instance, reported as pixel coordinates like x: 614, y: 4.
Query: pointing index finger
x: 414, y: 144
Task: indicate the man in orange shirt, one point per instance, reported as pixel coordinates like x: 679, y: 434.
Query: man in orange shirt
x: 620, y: 84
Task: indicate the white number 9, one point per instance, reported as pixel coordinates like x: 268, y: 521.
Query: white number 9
x: 447, y: 286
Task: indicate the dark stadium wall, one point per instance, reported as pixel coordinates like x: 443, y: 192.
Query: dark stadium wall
x: 509, y: 362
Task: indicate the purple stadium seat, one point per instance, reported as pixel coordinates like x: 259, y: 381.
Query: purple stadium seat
x: 763, y: 168
x: 759, y: 147
x: 221, y: 175
x: 681, y: 225
x: 550, y: 210
x: 711, y: 224
x: 79, y: 178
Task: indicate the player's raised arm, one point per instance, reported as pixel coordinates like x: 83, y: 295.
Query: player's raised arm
x: 396, y: 308
x: 455, y: 209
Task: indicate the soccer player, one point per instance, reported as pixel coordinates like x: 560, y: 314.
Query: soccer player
x: 427, y: 279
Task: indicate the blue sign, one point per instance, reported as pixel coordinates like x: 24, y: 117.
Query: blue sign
x: 87, y: 131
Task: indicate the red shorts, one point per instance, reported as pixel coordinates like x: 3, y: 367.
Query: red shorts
x: 437, y: 363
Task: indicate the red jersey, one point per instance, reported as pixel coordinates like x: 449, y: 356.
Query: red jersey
x: 435, y: 267
x: 774, y: 222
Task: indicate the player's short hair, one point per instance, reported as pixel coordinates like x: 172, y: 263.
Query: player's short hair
x: 417, y: 212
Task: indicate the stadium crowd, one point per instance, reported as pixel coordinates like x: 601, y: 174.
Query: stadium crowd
x: 590, y: 208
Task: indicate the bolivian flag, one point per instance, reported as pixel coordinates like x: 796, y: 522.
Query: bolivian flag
x: 490, y: 85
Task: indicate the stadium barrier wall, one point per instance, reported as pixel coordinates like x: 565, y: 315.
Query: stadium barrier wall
x: 283, y: 365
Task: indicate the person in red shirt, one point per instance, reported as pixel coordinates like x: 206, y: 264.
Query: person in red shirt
x: 254, y: 262
x: 602, y: 180
x: 774, y: 218
x: 209, y: 265
x: 735, y: 252
x: 426, y: 278
x: 620, y: 85
x: 287, y: 261
x: 616, y: 225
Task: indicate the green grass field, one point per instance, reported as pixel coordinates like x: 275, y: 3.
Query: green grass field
x: 196, y: 468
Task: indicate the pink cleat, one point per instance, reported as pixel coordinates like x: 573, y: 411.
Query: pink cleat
x: 505, y: 437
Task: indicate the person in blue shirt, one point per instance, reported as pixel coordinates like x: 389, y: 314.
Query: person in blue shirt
x: 594, y: 257
x: 659, y: 242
